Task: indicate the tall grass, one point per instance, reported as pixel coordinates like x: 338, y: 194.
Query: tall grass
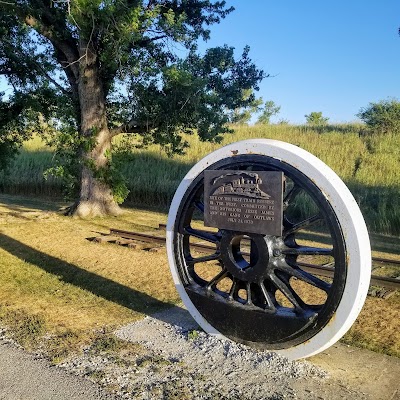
x: 152, y: 165
x: 26, y: 174
x: 369, y: 165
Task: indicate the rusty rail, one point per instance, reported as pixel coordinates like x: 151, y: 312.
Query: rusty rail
x: 322, y: 270
x: 385, y: 261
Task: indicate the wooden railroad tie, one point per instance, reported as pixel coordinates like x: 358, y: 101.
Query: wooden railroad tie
x: 106, y: 239
x: 130, y: 243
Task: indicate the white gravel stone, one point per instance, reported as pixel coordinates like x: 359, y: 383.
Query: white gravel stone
x: 183, y: 362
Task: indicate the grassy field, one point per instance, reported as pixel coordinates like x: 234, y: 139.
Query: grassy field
x: 61, y: 292
x: 370, y: 166
x: 59, y: 285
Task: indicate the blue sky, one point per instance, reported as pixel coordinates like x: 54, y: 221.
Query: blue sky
x: 329, y: 56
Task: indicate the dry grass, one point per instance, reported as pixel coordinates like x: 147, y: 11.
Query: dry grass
x: 49, y: 271
x: 378, y: 326
x: 59, y: 285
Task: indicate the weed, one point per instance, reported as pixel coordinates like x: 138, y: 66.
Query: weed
x: 96, y: 375
x: 192, y: 335
x: 60, y: 345
x: 151, y: 360
x: 120, y: 351
x: 25, y: 329
x: 105, y: 344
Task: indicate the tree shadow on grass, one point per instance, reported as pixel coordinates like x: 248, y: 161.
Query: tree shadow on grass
x: 25, y: 203
x: 96, y: 284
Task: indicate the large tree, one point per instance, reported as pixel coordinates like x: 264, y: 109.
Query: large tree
x: 92, y: 69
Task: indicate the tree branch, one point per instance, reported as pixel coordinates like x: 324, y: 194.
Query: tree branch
x: 131, y: 127
x: 53, y: 81
x: 62, y: 45
x: 38, y: 67
x: 68, y: 72
x: 146, y: 41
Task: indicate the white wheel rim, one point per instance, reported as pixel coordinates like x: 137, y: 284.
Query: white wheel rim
x: 347, y: 213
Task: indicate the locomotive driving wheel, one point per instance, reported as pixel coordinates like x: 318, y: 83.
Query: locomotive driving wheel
x: 296, y: 292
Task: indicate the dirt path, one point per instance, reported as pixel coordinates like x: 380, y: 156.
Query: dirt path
x: 374, y: 374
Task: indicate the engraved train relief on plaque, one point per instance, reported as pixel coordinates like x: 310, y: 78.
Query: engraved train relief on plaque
x: 248, y: 201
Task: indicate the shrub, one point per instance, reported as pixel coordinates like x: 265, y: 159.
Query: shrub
x: 382, y: 117
x: 315, y: 118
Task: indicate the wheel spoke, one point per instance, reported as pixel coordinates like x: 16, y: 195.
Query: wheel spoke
x: 203, y: 235
x: 214, y: 281
x: 305, y: 276
x: 192, y: 276
x: 211, y: 257
x: 249, y: 300
x: 301, y: 225
x: 199, y: 205
x: 294, y: 191
x: 307, y: 251
x: 234, y: 289
x: 270, y: 303
x: 288, y: 292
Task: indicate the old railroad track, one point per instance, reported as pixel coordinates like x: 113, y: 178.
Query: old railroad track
x: 155, y: 242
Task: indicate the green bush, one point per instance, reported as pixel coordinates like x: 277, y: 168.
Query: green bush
x: 315, y: 118
x: 382, y: 117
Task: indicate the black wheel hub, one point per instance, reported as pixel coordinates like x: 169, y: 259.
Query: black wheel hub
x: 249, y: 257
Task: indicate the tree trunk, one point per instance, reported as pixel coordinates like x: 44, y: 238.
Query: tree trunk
x: 96, y: 196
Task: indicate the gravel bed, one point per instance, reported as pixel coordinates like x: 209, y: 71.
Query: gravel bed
x: 181, y: 362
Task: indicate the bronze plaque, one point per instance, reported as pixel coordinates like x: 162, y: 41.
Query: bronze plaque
x: 244, y: 201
